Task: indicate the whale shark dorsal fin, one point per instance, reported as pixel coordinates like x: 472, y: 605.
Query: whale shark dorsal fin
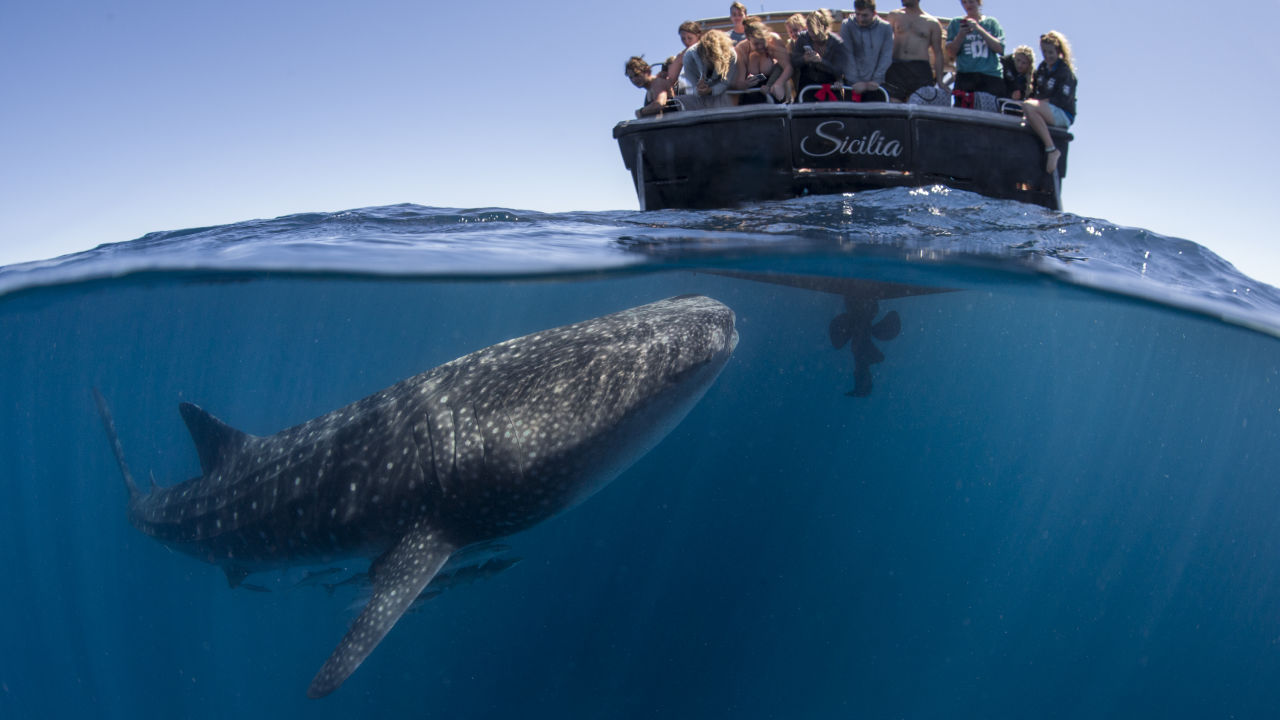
x: 211, y: 436
x: 398, y: 577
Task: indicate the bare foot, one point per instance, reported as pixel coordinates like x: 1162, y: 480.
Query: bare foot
x: 1051, y: 160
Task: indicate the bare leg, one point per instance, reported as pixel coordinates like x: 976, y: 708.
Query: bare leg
x: 1039, y: 118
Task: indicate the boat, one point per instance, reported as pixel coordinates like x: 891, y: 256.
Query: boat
x: 728, y: 156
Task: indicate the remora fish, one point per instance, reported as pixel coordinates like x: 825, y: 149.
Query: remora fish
x: 478, y: 448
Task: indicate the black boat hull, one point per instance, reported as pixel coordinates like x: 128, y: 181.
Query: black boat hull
x: 729, y: 156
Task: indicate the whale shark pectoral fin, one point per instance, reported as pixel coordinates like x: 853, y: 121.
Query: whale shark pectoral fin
x: 398, y: 577
x: 235, y: 575
x: 211, y: 436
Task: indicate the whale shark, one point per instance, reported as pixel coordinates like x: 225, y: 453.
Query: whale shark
x: 479, y: 448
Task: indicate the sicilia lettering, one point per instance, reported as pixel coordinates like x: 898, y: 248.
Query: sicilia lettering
x: 832, y: 144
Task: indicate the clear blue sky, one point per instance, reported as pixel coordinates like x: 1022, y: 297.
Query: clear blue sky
x: 121, y: 117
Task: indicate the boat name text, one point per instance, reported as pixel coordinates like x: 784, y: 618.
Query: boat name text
x: 873, y: 144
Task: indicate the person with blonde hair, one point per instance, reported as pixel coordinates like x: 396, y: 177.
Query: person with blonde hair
x: 1017, y: 72
x: 710, y: 65
x: 795, y: 26
x: 819, y: 57
x: 763, y: 62
x: 1054, y: 100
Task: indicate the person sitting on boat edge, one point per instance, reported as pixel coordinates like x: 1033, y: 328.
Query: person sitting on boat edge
x: 976, y: 41
x: 1017, y: 72
x: 869, y: 40
x: 1054, y: 104
x: 709, y: 67
x: 690, y: 32
x: 763, y: 62
x: 915, y: 34
x: 656, y: 88
x: 738, y: 16
x: 819, y: 58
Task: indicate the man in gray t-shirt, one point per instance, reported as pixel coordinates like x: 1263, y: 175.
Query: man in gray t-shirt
x: 869, y: 40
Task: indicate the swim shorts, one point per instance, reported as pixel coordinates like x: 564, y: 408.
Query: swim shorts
x: 906, y: 76
x: 980, y: 82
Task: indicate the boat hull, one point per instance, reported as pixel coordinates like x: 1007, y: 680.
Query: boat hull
x: 729, y: 156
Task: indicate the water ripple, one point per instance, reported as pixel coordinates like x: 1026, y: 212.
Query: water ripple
x: 923, y: 227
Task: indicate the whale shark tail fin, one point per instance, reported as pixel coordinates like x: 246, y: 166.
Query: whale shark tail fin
x: 212, y: 437
x: 110, y: 425
x: 398, y: 577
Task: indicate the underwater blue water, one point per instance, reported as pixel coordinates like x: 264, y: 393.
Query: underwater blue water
x: 1060, y: 498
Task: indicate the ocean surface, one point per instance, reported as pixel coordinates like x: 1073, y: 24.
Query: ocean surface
x: 1056, y: 496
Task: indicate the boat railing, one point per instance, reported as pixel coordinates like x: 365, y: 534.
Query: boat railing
x: 678, y: 100
x: 834, y: 87
x: 1009, y: 106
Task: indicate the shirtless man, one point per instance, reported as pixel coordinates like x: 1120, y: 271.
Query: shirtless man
x: 758, y: 55
x: 656, y: 88
x: 915, y: 33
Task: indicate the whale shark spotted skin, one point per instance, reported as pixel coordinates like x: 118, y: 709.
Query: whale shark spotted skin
x: 476, y: 449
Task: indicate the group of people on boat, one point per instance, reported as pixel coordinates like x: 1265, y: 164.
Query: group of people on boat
x: 901, y: 56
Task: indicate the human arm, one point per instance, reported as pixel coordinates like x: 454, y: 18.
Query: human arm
x: 778, y: 51
x: 884, y: 57
x: 957, y: 31
x: 659, y: 92
x: 838, y: 59
x: 993, y: 37
x: 850, y: 65
x: 939, y: 60
x: 742, y: 52
x: 673, y: 72
x: 797, y: 55
x: 721, y: 84
x: 853, y: 71
x: 691, y: 67
x: 1058, y: 87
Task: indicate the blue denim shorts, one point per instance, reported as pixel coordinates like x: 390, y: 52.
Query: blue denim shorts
x: 1060, y: 116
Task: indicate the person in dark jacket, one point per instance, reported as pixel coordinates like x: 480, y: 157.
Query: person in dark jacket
x: 1054, y: 101
x: 818, y: 57
x: 1018, y: 68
